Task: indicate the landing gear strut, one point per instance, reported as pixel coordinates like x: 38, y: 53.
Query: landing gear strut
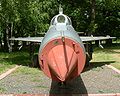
x: 62, y: 84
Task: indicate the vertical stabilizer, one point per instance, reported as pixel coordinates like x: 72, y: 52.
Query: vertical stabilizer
x: 60, y: 9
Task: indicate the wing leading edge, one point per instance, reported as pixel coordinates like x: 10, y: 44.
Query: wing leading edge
x: 39, y: 39
x: 87, y: 39
x: 28, y: 39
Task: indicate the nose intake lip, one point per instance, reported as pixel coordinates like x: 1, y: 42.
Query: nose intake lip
x: 62, y: 61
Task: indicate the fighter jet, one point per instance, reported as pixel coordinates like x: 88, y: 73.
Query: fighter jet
x: 62, y: 55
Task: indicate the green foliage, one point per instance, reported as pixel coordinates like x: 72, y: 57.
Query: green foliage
x: 32, y: 17
x: 108, y: 18
x: 79, y: 12
x: 27, y: 16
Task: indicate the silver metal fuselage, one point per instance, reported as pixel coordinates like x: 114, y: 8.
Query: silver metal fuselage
x: 57, y: 30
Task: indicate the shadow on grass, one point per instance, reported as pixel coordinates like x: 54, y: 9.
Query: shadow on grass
x: 109, y: 49
x: 16, y: 58
x: 19, y: 60
x: 97, y: 64
x: 112, y: 51
x: 75, y: 86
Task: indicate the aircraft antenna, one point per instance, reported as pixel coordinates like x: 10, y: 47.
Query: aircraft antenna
x: 60, y: 9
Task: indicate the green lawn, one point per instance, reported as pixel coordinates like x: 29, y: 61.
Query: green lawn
x: 9, y: 60
x: 108, y: 55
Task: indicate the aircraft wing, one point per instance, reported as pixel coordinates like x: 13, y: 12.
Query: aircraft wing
x: 39, y: 39
x: 29, y: 39
x: 90, y: 38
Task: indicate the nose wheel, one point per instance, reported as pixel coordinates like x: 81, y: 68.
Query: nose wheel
x: 61, y: 84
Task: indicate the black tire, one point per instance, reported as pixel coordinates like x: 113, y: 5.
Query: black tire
x: 35, y: 62
x: 87, y: 63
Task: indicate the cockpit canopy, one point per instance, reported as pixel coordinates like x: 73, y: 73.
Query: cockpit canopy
x: 61, y: 19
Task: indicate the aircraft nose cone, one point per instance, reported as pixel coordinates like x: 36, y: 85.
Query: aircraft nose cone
x: 62, y: 59
x: 59, y: 58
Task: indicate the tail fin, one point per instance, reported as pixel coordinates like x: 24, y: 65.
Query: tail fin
x: 60, y: 9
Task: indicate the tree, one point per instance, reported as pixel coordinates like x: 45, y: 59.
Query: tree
x: 7, y: 15
x: 21, y: 18
x: 108, y: 18
x: 24, y: 18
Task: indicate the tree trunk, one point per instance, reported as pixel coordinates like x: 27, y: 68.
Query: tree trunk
x: 6, y: 38
x: 93, y: 10
x: 1, y: 43
x: 10, y: 35
x: 92, y: 15
x: 15, y: 46
x: 5, y: 41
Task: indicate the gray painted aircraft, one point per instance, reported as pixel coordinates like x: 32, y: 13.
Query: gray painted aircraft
x: 62, y: 54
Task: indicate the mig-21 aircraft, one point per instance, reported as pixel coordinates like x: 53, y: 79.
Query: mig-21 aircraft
x: 62, y: 54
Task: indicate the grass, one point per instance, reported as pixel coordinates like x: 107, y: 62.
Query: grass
x: 108, y: 55
x: 27, y: 70
x: 9, y: 60
x: 40, y: 86
x: 35, y: 73
x: 2, y: 90
x: 118, y: 76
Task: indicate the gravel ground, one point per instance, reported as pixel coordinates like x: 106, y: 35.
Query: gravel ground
x: 96, y: 80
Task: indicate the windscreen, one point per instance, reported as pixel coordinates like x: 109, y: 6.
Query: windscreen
x: 61, y: 19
